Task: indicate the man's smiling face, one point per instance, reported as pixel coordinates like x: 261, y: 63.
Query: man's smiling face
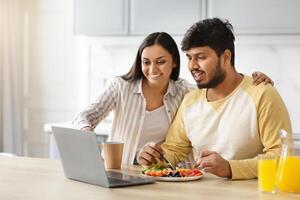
x: 205, y: 67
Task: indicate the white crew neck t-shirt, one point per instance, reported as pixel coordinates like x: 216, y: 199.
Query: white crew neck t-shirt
x: 155, y: 127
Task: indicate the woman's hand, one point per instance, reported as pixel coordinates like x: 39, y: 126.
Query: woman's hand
x: 259, y: 77
x: 150, y: 154
x: 87, y: 128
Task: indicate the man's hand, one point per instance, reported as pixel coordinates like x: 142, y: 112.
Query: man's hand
x: 213, y: 163
x: 150, y: 154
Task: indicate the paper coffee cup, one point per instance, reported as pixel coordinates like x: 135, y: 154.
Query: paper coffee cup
x: 112, y: 152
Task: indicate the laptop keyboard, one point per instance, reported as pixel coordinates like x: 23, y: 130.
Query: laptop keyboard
x: 116, y: 177
x: 115, y: 181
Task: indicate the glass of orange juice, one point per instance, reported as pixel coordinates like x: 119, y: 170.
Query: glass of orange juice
x: 267, y: 167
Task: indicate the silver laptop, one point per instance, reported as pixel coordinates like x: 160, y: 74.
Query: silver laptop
x: 81, y: 159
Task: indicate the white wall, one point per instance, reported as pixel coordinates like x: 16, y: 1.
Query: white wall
x: 50, y: 86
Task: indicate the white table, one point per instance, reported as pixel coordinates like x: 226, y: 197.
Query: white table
x: 35, y: 179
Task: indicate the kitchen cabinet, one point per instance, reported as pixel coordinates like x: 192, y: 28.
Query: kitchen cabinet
x: 168, y: 15
x: 136, y: 17
x: 141, y: 17
x: 101, y: 17
x: 258, y: 16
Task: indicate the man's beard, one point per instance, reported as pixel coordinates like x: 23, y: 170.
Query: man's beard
x: 218, y: 77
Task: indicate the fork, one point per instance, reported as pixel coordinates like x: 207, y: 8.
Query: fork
x: 169, y: 163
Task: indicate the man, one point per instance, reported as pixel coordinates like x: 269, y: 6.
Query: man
x: 228, y: 121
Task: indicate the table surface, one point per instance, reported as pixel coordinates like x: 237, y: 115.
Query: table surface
x: 36, y: 178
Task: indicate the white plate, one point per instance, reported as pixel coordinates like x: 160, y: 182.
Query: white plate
x: 175, y: 179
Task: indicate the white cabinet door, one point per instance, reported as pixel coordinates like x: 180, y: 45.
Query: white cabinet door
x: 164, y: 15
x: 101, y: 17
x: 258, y: 16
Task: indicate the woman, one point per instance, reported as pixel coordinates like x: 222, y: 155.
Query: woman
x: 145, y: 99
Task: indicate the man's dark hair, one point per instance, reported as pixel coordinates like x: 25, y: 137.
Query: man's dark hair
x: 164, y: 40
x: 215, y: 33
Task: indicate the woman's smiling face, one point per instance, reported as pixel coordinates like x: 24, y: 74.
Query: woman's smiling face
x: 157, y: 64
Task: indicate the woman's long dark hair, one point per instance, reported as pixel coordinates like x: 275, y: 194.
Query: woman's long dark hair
x: 164, y: 40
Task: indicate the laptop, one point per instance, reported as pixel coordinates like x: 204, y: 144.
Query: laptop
x: 81, y: 160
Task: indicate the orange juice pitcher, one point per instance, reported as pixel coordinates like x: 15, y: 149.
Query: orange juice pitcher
x: 288, y: 172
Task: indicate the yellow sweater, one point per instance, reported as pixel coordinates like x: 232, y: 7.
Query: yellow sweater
x: 238, y: 127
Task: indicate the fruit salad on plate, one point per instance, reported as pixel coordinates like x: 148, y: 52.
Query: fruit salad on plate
x: 167, y: 174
